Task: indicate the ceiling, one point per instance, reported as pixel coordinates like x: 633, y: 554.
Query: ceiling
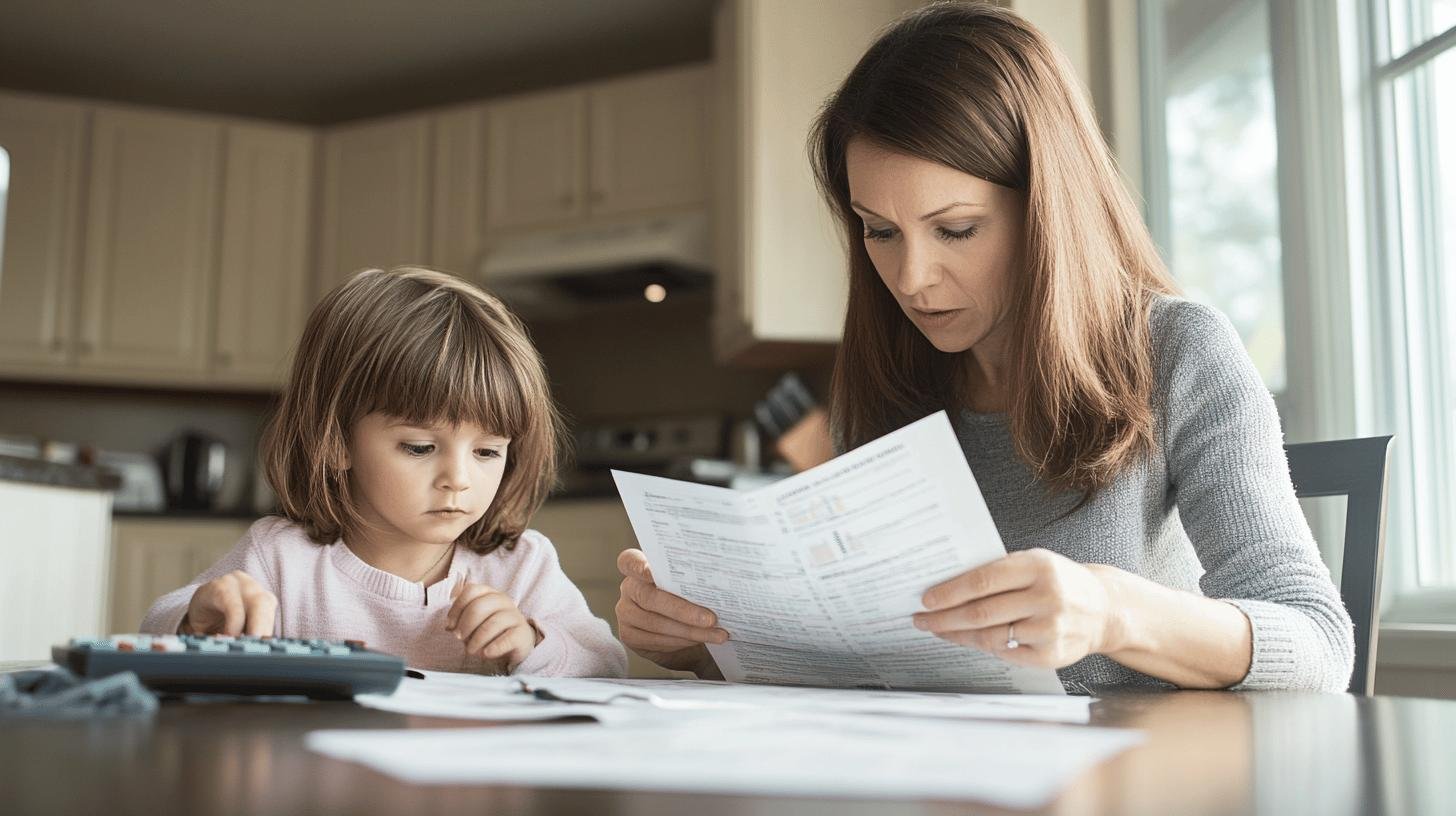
x: 323, y: 61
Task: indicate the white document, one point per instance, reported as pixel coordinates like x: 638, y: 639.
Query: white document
x: 1011, y: 765
x: 714, y: 695
x: 481, y: 697
x: 815, y: 577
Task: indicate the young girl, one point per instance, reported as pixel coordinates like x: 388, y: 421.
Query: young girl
x: 414, y: 440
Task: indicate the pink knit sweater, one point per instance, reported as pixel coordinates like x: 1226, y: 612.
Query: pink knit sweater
x: 326, y: 591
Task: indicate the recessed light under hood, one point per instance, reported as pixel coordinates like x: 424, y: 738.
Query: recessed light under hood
x: 559, y: 271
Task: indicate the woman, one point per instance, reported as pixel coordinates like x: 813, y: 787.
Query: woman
x: 1127, y: 449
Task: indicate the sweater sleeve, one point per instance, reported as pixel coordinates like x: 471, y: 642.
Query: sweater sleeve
x: 1230, y: 479
x: 167, y: 611
x: 574, y: 643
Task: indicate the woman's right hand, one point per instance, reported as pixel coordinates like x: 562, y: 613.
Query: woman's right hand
x: 661, y: 626
x: 234, y: 604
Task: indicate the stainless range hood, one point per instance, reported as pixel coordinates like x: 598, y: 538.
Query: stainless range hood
x: 561, y: 271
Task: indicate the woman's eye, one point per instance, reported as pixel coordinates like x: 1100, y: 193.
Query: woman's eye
x: 416, y: 450
x: 957, y: 235
x: 872, y: 234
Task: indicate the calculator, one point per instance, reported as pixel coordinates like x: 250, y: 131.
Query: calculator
x: 223, y: 664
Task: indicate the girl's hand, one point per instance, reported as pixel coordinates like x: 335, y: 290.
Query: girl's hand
x: 489, y: 624
x: 234, y: 604
x: 659, y: 625
x: 1060, y: 610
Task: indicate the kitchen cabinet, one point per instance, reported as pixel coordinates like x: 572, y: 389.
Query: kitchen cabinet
x: 458, y: 210
x: 535, y: 166
x: 263, y: 283
x: 588, y: 534
x: 781, y: 284
x: 151, y: 557
x: 647, y: 135
x: 150, y: 243
x: 44, y: 140
x: 55, y: 555
x: 376, y: 197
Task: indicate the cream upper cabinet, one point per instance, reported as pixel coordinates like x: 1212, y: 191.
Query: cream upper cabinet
x: 151, y: 557
x: 647, y: 137
x: 44, y: 141
x: 263, y: 275
x: 457, y: 214
x: 376, y: 197
x: 782, y: 283
x: 150, y: 243
x: 536, y: 162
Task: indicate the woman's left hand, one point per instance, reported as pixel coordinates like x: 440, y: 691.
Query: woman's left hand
x: 1057, y: 610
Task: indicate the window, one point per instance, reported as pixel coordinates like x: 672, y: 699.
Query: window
x: 1409, y: 75
x: 1213, y: 196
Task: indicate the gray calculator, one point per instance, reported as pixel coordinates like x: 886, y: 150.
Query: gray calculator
x: 221, y: 664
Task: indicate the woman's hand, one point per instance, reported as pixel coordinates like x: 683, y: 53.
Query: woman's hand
x: 659, y: 625
x: 234, y: 604
x: 1058, y: 611
x: 489, y: 624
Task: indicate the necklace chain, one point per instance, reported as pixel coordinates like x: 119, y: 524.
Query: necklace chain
x: 443, y: 553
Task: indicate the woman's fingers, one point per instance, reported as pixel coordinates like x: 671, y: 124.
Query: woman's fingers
x: 652, y: 599
x: 649, y: 621
x: 632, y: 563
x: 1016, y: 571
x: 643, y: 640
x: 997, y: 610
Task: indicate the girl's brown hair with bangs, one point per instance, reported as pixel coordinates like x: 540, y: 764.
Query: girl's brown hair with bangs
x: 421, y: 346
x: 978, y: 89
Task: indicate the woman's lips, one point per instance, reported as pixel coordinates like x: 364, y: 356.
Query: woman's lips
x: 934, y: 316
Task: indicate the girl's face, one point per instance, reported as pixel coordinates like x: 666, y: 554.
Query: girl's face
x: 945, y: 243
x: 423, y: 484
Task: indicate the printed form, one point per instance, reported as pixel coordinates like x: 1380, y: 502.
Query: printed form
x: 815, y: 577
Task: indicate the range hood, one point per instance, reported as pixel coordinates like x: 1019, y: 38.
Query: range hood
x: 560, y: 271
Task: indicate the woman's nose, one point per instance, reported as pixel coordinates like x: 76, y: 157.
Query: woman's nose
x: 918, y: 270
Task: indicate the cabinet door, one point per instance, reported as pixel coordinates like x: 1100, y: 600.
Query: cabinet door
x: 151, y: 557
x: 43, y: 141
x: 536, y: 160
x: 263, y: 278
x: 457, y: 218
x: 376, y: 196
x: 647, y: 137
x: 150, y: 248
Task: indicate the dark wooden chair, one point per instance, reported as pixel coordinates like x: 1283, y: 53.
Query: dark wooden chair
x: 1355, y: 469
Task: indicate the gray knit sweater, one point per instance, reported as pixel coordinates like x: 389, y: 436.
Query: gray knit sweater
x: 1212, y: 512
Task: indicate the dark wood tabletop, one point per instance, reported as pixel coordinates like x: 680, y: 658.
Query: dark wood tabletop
x: 1205, y: 753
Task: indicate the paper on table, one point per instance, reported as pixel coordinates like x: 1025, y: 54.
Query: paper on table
x: 1012, y: 765
x: 712, y: 694
x: 816, y: 577
x: 479, y: 697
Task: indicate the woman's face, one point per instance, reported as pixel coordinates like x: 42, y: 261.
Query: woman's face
x: 945, y: 243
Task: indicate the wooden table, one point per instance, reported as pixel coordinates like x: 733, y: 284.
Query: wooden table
x: 1206, y: 753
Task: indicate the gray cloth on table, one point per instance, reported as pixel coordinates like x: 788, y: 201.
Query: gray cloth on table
x: 59, y: 693
x: 1212, y: 511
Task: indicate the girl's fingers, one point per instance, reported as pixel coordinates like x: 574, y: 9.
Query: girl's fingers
x: 261, y: 606
x: 505, y: 644
x: 468, y: 594
x: 497, y: 624
x: 480, y: 609
x: 996, y: 610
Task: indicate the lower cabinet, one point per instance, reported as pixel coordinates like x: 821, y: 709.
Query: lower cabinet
x: 151, y: 557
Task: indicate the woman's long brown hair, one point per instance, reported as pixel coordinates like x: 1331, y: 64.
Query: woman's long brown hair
x: 978, y: 89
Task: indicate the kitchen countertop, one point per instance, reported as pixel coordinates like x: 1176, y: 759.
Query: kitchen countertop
x: 41, y: 472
